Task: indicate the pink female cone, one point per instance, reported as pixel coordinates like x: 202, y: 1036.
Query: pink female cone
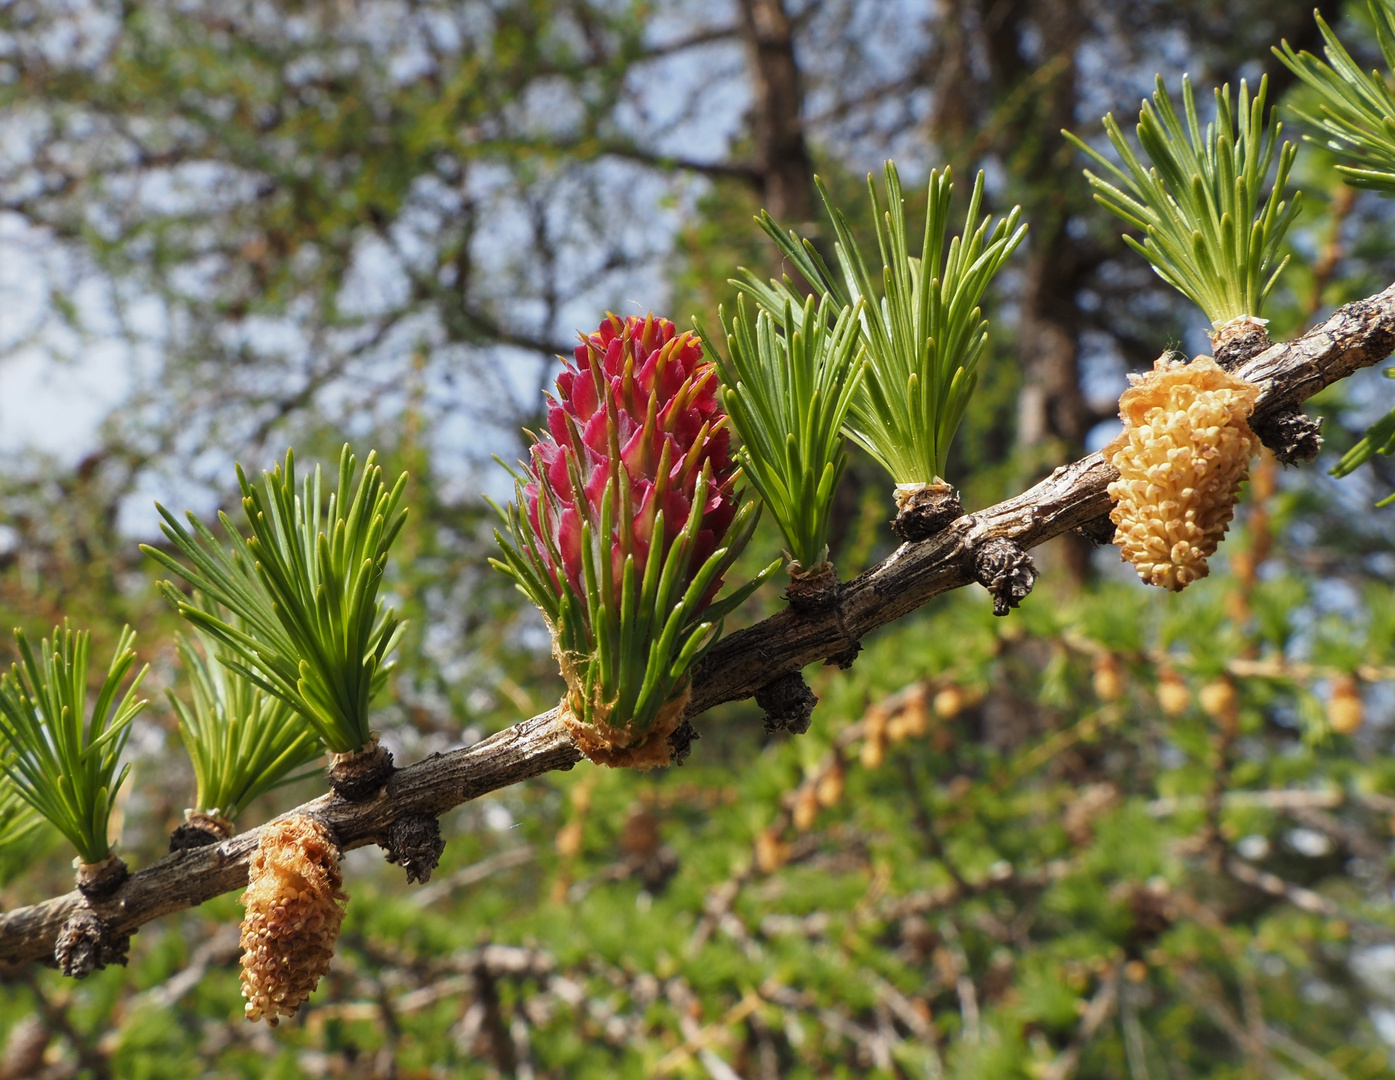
x: 636, y: 415
x: 638, y: 387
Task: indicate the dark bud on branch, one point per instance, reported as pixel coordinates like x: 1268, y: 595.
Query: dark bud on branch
x: 922, y: 513
x: 414, y: 842
x: 359, y: 775
x: 813, y: 592
x: 1099, y: 531
x: 1006, y: 571
x: 1294, y: 437
x: 199, y: 829
x: 788, y: 703
x: 87, y: 944
x: 99, y: 880
x: 680, y: 742
x: 1237, y: 341
x: 844, y: 660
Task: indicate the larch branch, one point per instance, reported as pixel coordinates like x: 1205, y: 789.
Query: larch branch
x: 1358, y: 335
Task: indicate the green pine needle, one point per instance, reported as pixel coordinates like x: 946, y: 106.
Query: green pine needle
x: 1379, y: 439
x: 788, y: 395
x: 17, y: 818
x: 242, y: 741
x: 1357, y: 109
x: 24, y: 836
x: 19, y: 837
x: 1198, y: 206
x: 922, y: 326
x: 308, y: 626
x: 1357, y: 124
x: 63, y: 764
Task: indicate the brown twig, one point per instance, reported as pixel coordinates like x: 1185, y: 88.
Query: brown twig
x: 1358, y: 335
x: 1275, y: 886
x: 1099, y: 1009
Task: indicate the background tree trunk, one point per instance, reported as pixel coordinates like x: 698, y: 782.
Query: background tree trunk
x: 785, y: 170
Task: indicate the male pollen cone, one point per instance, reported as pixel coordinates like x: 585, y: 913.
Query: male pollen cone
x: 293, y: 912
x: 1184, y: 451
x: 638, y: 399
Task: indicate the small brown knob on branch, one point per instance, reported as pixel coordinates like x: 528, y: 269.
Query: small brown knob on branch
x: 1006, y: 571
x: 813, y: 592
x: 1099, y: 531
x: 199, y: 829
x: 360, y: 774
x: 922, y: 511
x: 844, y: 660
x: 87, y: 944
x: 680, y: 742
x: 1236, y: 341
x: 1294, y: 437
x: 100, y: 880
x: 788, y: 703
x: 414, y: 842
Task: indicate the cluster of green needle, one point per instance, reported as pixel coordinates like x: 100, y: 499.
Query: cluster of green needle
x: 1205, y: 230
x: 921, y: 323
x: 307, y: 623
x: 63, y: 760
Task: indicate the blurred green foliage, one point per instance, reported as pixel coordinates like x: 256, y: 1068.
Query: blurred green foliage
x: 1116, y: 834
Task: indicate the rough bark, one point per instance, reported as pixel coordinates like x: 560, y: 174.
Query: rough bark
x: 1358, y: 335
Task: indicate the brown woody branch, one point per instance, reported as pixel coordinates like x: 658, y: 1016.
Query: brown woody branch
x: 1358, y: 335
